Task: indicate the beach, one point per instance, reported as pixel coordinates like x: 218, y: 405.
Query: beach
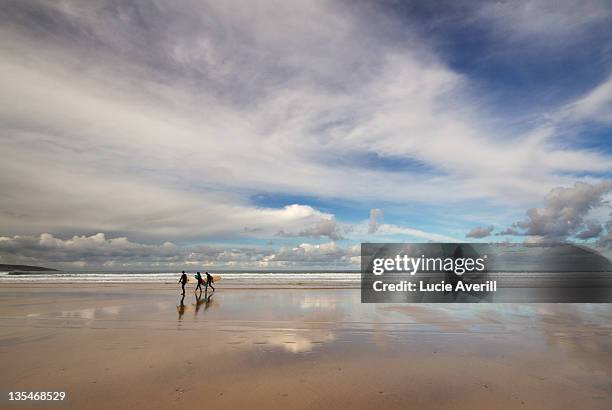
x: 134, y: 345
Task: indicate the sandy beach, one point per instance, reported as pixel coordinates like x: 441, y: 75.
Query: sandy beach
x: 126, y: 346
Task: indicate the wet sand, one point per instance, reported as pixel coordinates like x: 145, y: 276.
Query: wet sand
x: 134, y: 346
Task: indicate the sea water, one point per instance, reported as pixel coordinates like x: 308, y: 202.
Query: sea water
x: 229, y: 278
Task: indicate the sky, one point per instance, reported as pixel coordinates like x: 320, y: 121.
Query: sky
x: 281, y: 135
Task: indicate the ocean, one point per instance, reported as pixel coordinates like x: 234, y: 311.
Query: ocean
x: 229, y: 278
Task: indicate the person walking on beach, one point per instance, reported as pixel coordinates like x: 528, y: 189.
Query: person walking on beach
x: 183, y: 281
x: 200, y: 281
x: 210, y: 280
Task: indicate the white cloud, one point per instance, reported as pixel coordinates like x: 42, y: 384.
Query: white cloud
x: 163, y: 124
x: 605, y: 240
x: 591, y: 230
x: 326, y: 254
x: 395, y: 230
x: 596, y: 105
x: 563, y: 214
x: 94, y: 249
x: 480, y: 232
x: 375, y: 230
x: 376, y: 216
x: 98, y: 251
x: 326, y: 226
x: 546, y: 23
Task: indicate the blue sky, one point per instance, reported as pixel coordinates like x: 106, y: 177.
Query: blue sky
x: 270, y: 134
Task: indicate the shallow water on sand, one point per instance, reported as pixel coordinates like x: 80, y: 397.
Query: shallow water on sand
x: 301, y: 348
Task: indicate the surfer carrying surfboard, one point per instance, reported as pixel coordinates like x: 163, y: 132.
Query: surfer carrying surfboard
x: 200, y: 281
x: 209, y: 281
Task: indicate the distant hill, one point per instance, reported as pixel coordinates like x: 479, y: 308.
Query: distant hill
x: 26, y: 268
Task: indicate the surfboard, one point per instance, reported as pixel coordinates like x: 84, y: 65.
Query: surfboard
x: 215, y: 279
x: 192, y: 279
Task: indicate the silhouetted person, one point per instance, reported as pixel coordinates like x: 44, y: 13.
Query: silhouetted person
x: 200, y: 281
x: 209, y: 281
x: 183, y: 281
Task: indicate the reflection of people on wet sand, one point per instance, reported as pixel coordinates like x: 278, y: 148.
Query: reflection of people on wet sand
x: 181, y: 307
x: 200, y: 282
x: 206, y: 300
x: 183, y: 281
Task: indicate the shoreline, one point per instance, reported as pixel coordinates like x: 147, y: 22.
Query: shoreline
x: 169, y: 285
